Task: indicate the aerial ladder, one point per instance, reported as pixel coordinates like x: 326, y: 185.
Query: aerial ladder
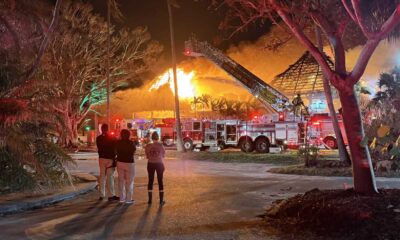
x: 269, y: 96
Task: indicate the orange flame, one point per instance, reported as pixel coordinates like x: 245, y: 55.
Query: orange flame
x: 186, y: 88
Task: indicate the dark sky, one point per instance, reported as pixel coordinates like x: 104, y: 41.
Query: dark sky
x: 192, y: 17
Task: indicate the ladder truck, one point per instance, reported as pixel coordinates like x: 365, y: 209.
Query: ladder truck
x: 285, y: 133
x: 269, y: 96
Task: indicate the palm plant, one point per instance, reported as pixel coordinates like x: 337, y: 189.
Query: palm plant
x: 385, y: 107
x: 386, y: 103
x: 28, y: 159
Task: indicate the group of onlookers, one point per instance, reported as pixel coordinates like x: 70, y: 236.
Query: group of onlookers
x: 119, y: 154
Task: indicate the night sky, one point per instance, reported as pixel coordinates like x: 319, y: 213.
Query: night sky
x: 192, y: 17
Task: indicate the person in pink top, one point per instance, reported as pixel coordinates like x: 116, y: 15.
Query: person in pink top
x: 155, y: 154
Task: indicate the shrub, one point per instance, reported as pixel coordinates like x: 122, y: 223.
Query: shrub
x: 309, y: 154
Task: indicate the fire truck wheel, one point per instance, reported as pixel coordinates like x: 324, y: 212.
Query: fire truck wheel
x: 331, y: 142
x: 262, y: 145
x: 168, y: 142
x: 246, y: 145
x: 187, y: 144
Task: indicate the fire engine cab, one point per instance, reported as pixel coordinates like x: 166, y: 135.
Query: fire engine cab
x: 321, y: 133
x: 192, y: 132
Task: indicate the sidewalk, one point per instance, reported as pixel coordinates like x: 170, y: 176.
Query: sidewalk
x: 21, y: 201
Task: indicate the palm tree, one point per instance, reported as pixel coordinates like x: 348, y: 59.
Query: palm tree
x: 205, y: 101
x: 196, y: 100
x: 387, y: 100
x: 28, y: 159
x: 343, y: 154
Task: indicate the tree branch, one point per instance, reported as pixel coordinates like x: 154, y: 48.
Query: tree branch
x: 390, y: 24
x: 372, y: 44
x: 348, y: 10
x: 46, y: 40
x: 319, y: 57
x: 359, y: 18
x: 335, y: 38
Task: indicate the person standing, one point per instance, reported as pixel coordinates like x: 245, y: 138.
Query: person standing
x: 297, y: 104
x: 155, y: 154
x: 125, y: 150
x: 106, y: 149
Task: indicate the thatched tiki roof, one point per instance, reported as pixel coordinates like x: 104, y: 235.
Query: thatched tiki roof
x: 304, y: 76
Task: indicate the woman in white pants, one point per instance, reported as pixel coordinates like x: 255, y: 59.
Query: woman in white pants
x: 125, y: 149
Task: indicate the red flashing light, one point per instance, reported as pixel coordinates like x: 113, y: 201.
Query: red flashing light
x: 321, y: 138
x: 117, y: 120
x: 187, y: 52
x: 281, y: 117
x: 315, y: 123
x: 112, y: 133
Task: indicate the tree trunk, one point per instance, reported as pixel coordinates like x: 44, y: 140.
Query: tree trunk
x: 69, y: 137
x: 343, y: 154
x: 363, y: 175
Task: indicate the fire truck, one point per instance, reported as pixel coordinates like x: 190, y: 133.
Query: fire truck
x: 321, y: 133
x: 247, y: 135
x: 192, y: 132
x: 140, y: 129
x: 257, y: 136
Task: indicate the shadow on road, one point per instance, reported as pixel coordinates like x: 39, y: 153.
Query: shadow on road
x: 92, y: 219
x: 112, y: 220
x: 156, y: 223
x: 142, y: 222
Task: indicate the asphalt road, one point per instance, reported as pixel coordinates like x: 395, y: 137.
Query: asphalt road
x: 205, y: 200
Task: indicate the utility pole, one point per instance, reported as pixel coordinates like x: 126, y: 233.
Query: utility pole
x: 179, y: 144
x: 108, y: 62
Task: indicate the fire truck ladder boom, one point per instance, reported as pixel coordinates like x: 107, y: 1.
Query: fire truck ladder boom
x: 268, y: 95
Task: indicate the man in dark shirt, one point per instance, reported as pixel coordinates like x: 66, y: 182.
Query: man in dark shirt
x: 106, y: 149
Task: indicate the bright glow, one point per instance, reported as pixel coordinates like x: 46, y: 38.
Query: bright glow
x: 186, y: 87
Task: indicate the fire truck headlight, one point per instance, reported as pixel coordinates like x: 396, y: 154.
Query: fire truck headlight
x: 285, y: 142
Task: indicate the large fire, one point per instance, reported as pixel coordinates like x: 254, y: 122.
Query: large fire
x: 186, y: 87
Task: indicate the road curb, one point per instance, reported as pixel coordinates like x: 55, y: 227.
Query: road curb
x: 43, y: 201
